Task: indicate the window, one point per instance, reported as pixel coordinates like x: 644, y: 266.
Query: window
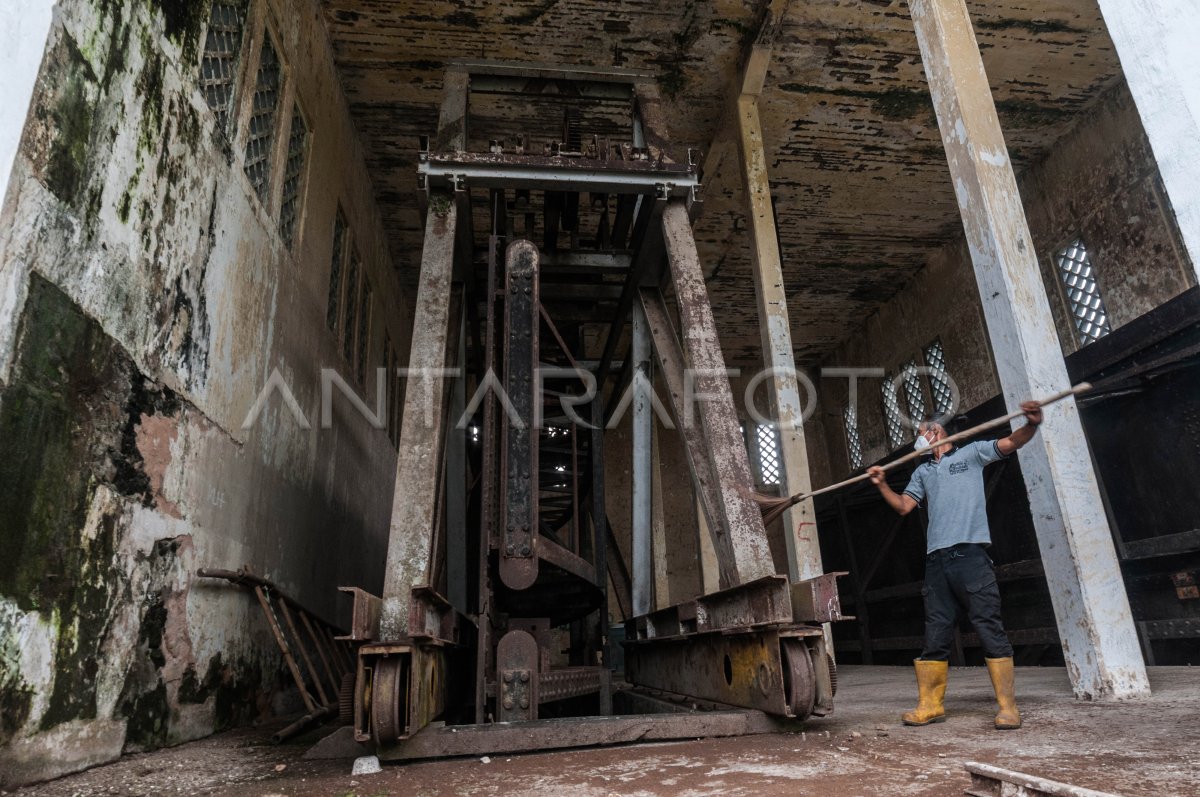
x: 364, y: 330
x: 262, y: 119
x: 393, y: 389
x: 853, y: 440
x: 350, y: 307
x: 767, y: 455
x: 293, y: 176
x: 222, y: 49
x: 939, y: 381
x: 334, y: 307
x: 892, y: 415
x: 913, y: 396
x: 1083, y: 294
x: 389, y: 359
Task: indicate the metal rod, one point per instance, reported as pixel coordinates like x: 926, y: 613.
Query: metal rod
x: 312, y: 671
x: 777, y: 504
x: 334, y: 682
x: 643, y: 468
x: 280, y: 640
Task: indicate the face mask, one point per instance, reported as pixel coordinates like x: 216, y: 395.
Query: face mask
x: 921, y: 443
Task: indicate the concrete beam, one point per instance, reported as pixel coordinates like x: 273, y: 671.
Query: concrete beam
x: 1156, y: 42
x: 24, y: 31
x: 422, y: 426
x: 670, y: 358
x: 742, y: 541
x: 1099, y: 640
x: 799, y: 522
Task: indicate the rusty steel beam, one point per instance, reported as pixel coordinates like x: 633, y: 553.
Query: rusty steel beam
x: 518, y: 474
x: 767, y: 601
x: 766, y: 669
x: 741, y: 539
x: 432, y: 618
x: 441, y: 741
x: 421, y: 430
x: 642, y: 465
x: 441, y: 170
x: 567, y: 682
x: 555, y: 554
x: 364, y: 615
x: 816, y: 600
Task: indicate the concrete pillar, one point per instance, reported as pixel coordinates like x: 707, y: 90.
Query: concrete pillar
x: 741, y: 546
x: 1099, y: 640
x: 799, y: 522
x: 1156, y: 42
x: 421, y: 428
x: 24, y: 31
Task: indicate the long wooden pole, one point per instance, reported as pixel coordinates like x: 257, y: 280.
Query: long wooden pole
x: 774, y: 507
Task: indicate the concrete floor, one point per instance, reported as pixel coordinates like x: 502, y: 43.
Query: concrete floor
x: 1146, y: 748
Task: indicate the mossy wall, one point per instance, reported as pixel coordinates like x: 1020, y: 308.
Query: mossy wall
x: 145, y: 298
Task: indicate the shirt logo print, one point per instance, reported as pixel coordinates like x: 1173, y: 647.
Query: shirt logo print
x: 959, y: 467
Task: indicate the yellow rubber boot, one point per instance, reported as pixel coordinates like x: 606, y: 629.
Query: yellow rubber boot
x: 1001, y: 671
x: 931, y: 685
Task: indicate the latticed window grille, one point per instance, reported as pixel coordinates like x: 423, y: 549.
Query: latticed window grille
x: 913, y: 395
x: 853, y: 438
x: 262, y: 119
x: 770, y: 463
x: 349, y: 318
x: 222, y: 49
x: 364, y: 329
x: 334, y: 305
x: 1083, y: 294
x: 289, y: 209
x: 939, y: 382
x: 892, y: 415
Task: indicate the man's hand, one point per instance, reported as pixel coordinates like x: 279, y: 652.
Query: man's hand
x: 901, y: 503
x: 1033, y: 419
x: 878, y: 477
x: 1033, y: 413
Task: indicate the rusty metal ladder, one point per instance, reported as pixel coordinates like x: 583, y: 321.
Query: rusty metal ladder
x: 309, y: 642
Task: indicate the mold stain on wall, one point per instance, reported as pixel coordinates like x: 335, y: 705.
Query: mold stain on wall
x: 146, y: 284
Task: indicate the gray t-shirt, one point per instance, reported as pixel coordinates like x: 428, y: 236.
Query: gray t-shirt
x: 953, y: 490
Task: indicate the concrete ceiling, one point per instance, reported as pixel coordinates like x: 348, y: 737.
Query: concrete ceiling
x: 859, y: 177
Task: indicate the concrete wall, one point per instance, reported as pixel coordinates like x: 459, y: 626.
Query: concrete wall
x: 145, y: 298
x: 1100, y: 182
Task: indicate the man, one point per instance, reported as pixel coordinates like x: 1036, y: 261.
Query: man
x: 959, y: 575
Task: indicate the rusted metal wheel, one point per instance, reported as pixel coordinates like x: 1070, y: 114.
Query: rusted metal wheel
x: 800, y: 678
x: 388, y: 704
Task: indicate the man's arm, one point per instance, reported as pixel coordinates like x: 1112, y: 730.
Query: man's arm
x: 1033, y: 419
x: 901, y: 503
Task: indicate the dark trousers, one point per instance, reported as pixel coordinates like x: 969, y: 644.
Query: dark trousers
x: 958, y: 578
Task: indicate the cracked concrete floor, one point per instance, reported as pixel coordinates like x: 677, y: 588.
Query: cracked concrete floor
x: 1147, y: 748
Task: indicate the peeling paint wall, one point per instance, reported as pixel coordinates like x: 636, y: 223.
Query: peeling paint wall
x: 1101, y: 182
x: 146, y: 297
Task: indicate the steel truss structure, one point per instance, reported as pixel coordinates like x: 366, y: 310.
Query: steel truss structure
x: 533, y: 232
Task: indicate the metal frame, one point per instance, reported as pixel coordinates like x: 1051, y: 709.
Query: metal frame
x: 539, y: 568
